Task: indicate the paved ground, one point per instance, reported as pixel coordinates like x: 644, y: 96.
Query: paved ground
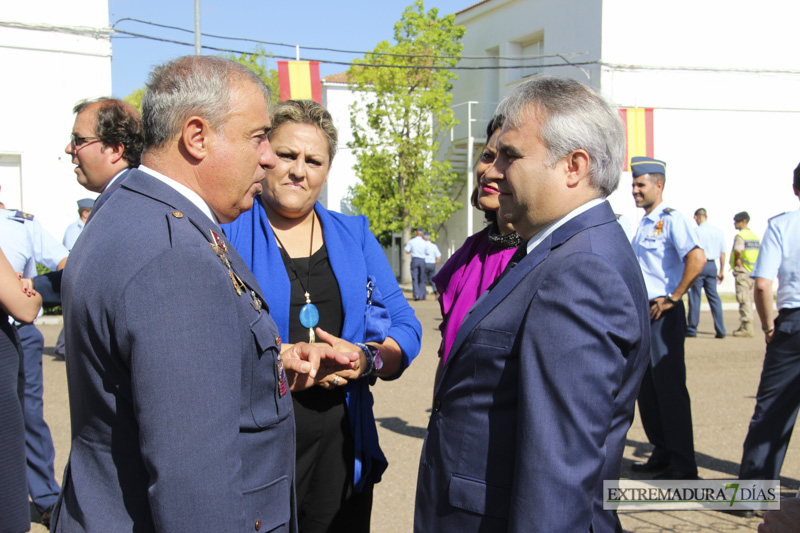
x: 723, y: 378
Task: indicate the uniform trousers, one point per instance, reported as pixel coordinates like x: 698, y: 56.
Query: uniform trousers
x: 40, y: 452
x: 418, y: 277
x: 777, y: 402
x: 14, y: 509
x: 430, y: 270
x: 744, y: 295
x: 707, y: 281
x: 663, y: 400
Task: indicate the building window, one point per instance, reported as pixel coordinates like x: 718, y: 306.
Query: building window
x: 528, y: 50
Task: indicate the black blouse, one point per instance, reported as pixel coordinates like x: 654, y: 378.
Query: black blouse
x: 323, y: 289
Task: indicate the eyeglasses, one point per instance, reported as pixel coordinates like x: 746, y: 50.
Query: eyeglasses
x: 80, y: 141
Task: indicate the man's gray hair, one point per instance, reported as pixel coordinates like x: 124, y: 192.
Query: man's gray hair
x: 189, y: 86
x: 572, y: 116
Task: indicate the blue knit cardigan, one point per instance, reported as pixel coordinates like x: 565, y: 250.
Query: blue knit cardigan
x: 354, y: 254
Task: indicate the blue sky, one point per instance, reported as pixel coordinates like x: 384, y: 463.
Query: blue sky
x: 348, y: 25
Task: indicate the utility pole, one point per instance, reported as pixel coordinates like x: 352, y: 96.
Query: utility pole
x: 197, y: 48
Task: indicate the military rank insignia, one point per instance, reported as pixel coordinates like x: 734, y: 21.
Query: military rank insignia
x: 218, y: 241
x: 220, y: 250
x: 283, y: 385
x: 237, y: 285
x: 256, y: 303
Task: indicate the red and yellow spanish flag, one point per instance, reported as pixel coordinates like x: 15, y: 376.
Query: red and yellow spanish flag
x: 638, y: 124
x: 299, y: 80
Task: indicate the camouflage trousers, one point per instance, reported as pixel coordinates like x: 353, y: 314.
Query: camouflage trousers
x: 744, y: 295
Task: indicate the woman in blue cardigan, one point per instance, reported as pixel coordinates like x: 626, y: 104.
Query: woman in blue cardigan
x: 326, y: 279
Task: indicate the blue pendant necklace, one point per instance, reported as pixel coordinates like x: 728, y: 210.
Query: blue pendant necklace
x: 309, y: 314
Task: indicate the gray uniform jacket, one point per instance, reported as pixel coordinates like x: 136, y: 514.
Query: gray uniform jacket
x: 181, y: 420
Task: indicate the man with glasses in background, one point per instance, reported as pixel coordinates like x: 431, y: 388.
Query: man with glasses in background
x: 106, y: 142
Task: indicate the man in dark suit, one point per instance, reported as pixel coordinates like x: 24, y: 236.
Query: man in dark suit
x: 533, y: 405
x: 181, y: 415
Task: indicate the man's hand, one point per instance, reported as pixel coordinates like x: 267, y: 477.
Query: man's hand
x: 307, y: 364
x: 341, y: 345
x: 658, y: 307
x: 786, y: 520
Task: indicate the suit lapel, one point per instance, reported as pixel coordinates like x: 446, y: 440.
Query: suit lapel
x: 600, y: 214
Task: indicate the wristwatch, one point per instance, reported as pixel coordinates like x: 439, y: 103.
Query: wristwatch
x: 670, y: 300
x: 374, y: 359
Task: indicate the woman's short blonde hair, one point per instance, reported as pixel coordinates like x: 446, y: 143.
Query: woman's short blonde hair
x: 305, y: 112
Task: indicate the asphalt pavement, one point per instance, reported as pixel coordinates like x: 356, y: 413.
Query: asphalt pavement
x: 723, y: 377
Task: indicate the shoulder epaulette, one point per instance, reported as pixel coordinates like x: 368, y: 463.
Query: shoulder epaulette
x: 667, y: 210
x: 20, y: 216
x: 776, y: 216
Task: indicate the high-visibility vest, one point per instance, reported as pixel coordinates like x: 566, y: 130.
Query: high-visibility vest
x: 750, y: 253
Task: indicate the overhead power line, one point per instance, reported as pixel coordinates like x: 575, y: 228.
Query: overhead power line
x: 335, y: 50
x: 350, y: 63
x: 74, y: 30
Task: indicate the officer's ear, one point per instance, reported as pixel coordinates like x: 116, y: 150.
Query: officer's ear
x: 195, y: 136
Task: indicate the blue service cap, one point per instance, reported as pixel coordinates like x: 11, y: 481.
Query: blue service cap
x: 647, y: 165
x: 85, y: 203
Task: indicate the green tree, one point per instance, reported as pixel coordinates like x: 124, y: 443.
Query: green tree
x: 401, y: 111
x: 257, y: 62
x: 135, y: 99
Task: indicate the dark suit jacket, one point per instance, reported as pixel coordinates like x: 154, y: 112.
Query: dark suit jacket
x: 107, y: 192
x: 49, y: 285
x: 533, y: 405
x: 178, y: 423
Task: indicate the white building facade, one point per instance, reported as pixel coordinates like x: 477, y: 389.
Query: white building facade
x: 53, y: 54
x: 722, y: 78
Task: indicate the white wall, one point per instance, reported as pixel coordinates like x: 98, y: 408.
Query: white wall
x: 337, y: 99
x: 723, y: 78
x: 46, y: 72
x: 567, y: 27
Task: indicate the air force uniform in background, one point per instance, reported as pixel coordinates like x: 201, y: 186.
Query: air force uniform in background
x: 74, y: 230
x: 778, y: 396
x: 417, y: 248
x: 712, y: 241
x: 662, y: 241
x: 25, y: 243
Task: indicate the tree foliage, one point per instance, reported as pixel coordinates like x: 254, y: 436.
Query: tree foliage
x: 402, y: 184
x: 257, y: 62
x: 135, y: 99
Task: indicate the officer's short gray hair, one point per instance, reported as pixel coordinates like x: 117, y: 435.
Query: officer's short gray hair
x: 189, y: 86
x: 572, y: 116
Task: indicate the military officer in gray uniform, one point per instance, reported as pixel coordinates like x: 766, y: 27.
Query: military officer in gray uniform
x: 778, y: 397
x: 179, y: 391
x: 25, y: 242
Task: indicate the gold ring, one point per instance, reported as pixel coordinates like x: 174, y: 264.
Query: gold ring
x: 336, y: 380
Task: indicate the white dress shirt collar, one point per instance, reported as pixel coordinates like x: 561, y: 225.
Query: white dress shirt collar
x: 190, y: 195
x: 547, y: 230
